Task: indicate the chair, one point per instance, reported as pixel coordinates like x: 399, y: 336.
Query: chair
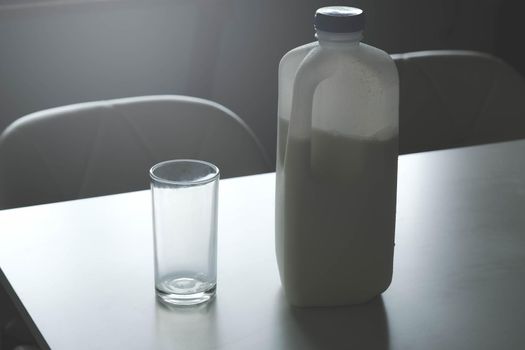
x: 104, y: 147
x: 457, y: 98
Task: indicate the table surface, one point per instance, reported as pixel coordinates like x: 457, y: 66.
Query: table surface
x: 83, y: 270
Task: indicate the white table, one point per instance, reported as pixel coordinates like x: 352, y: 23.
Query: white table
x: 83, y: 270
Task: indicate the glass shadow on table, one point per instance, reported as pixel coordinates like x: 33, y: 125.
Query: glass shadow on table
x: 186, y: 327
x: 362, y: 326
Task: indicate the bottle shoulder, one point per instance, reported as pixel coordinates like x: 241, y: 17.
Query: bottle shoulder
x: 360, y: 52
x: 293, y: 58
x: 360, y: 60
x: 299, y: 51
x: 372, y: 50
x: 356, y: 60
x: 377, y: 56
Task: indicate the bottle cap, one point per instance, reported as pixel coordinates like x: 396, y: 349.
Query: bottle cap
x: 339, y: 19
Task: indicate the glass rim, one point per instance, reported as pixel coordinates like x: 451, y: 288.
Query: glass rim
x: 162, y: 180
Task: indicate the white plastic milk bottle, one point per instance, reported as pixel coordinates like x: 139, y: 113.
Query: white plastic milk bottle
x: 336, y: 165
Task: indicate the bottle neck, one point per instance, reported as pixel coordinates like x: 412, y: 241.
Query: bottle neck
x: 338, y: 39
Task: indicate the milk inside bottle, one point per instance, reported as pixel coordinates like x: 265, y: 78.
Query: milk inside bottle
x: 336, y: 165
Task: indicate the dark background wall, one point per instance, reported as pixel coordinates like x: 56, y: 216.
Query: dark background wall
x: 223, y: 50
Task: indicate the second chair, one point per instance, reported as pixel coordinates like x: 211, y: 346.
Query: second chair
x: 451, y: 98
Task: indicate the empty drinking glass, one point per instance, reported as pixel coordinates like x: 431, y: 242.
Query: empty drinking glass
x: 185, y: 230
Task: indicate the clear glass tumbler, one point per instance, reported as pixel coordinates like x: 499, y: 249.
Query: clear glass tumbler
x: 184, y: 196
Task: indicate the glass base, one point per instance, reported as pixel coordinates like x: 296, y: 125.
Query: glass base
x: 185, y: 291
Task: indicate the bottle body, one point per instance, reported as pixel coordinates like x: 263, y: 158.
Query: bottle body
x: 336, y: 173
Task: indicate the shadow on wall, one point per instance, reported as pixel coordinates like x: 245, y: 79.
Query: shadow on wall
x: 224, y: 50
x: 509, y: 44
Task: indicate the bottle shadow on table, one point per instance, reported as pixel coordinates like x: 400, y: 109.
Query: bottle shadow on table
x: 362, y: 326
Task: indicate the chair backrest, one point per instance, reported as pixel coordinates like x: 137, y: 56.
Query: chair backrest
x: 457, y: 98
x: 106, y: 147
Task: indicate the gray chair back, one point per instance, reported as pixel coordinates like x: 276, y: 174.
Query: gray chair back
x: 457, y: 98
x: 104, y: 147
